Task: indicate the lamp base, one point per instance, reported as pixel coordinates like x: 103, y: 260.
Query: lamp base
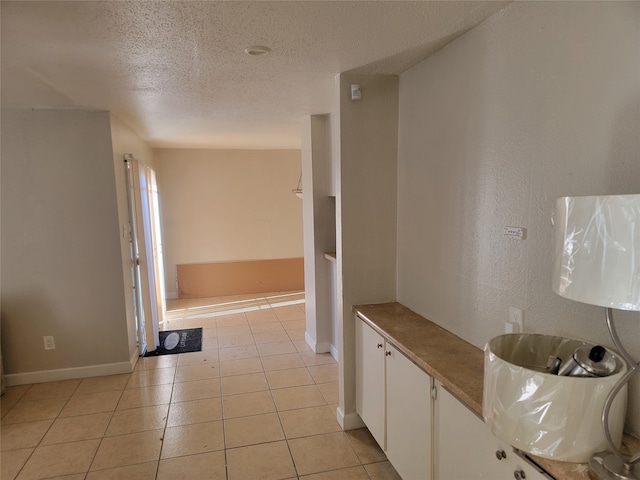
x: 607, y: 466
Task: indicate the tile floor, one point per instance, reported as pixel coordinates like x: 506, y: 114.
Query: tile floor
x: 255, y: 403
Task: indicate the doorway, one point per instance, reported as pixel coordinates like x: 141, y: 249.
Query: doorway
x: 147, y: 267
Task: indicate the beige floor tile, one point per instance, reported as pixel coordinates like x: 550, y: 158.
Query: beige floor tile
x: 192, y: 439
x: 57, y: 460
x: 294, y: 325
x: 222, y: 300
x: 142, y: 471
x: 289, y: 312
x: 185, y: 391
x: 190, y: 373
x: 278, y: 348
x: 205, y: 466
x: 247, y: 404
x: 41, y: 391
x: 271, y: 337
x: 174, y: 304
x: 241, y: 367
x: 298, y: 397
x: 309, y: 421
x: 271, y: 327
x: 154, y: 376
x: 11, y: 396
x: 282, y: 362
x: 237, y: 353
x: 297, y: 335
x: 232, y: 320
x: 89, y: 403
x: 382, y: 471
x: 324, y: 373
x: 210, y: 332
x: 145, y: 397
x: 243, y: 431
x: 365, y: 446
x: 75, y: 429
x: 23, y: 435
x: 103, y: 384
x: 33, y: 411
x: 12, y: 461
x: 294, y: 377
x: 235, y: 341
x: 160, y: 361
x: 253, y: 382
x: 311, y: 359
x: 130, y: 449
x: 262, y: 316
x: 267, y: 461
x: 198, y: 319
x: 352, y: 473
x: 321, y: 453
x: 209, y: 343
x: 301, y: 345
x: 209, y: 324
x: 141, y: 419
x: 195, y: 411
x: 233, y: 331
x: 329, y: 392
x: 205, y: 357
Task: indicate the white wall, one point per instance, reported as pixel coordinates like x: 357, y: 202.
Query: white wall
x: 365, y: 212
x: 61, y: 261
x: 319, y: 225
x: 540, y: 101
x: 226, y: 205
x: 126, y: 141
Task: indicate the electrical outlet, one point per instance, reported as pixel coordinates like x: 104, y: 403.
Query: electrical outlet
x: 49, y: 344
x: 516, y: 318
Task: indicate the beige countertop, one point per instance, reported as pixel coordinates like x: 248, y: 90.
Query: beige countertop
x: 456, y: 363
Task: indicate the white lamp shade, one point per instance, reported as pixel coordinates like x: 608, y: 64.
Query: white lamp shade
x: 597, y: 250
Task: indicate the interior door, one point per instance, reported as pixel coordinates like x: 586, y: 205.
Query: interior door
x: 146, y: 252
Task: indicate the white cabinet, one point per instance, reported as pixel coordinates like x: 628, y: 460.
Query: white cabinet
x: 370, y: 380
x: 465, y: 448
x: 408, y: 417
x: 393, y: 398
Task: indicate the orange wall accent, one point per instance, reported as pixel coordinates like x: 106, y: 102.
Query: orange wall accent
x: 197, y: 280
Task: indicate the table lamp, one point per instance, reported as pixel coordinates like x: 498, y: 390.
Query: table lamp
x: 597, y: 261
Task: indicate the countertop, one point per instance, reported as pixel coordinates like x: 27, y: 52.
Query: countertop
x: 456, y: 363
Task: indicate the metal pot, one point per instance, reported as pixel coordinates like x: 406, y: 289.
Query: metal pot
x: 589, y: 362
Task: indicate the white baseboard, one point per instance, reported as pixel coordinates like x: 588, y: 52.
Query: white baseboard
x: 350, y: 421
x: 324, y: 347
x: 135, y: 355
x: 70, y: 373
x: 171, y: 295
x: 334, y: 353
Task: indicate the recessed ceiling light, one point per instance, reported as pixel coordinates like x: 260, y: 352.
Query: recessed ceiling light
x: 257, y: 50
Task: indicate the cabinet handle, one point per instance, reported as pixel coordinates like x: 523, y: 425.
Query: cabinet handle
x: 519, y: 474
x: 500, y: 454
x: 379, y: 345
x: 387, y: 353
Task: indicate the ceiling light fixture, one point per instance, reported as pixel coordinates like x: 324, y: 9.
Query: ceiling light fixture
x: 257, y: 50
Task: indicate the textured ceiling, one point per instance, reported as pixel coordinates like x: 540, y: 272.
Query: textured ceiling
x: 177, y: 73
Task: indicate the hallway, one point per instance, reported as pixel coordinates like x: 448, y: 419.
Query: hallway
x: 255, y: 403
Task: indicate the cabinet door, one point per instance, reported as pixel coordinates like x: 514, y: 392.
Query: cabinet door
x: 466, y: 448
x: 408, y: 417
x: 370, y: 385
